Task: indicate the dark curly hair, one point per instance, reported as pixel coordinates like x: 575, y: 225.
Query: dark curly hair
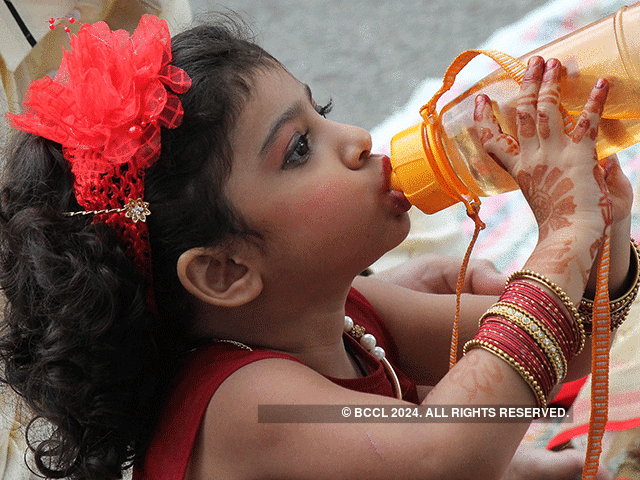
x: 77, y: 342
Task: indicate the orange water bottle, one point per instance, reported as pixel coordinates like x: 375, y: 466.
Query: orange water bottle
x: 440, y: 161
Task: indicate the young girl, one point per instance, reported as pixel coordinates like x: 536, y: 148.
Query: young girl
x: 181, y: 239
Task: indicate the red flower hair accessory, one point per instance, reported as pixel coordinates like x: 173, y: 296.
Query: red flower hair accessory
x: 105, y: 107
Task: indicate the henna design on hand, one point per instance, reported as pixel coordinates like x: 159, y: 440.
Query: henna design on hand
x: 482, y: 112
x: 595, y: 104
x: 552, y: 97
x: 513, y: 147
x: 527, y: 125
x: 554, y: 257
x: 551, y: 210
x: 485, y: 135
x: 581, y: 128
x: 605, y: 203
x: 544, y: 130
x: 555, y: 200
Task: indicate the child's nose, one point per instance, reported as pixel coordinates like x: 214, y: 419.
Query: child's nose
x: 355, y: 146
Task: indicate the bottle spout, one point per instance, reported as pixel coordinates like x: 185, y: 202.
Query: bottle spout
x: 413, y: 172
x: 394, y: 182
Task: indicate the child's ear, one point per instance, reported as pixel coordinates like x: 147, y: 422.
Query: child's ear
x: 219, y: 277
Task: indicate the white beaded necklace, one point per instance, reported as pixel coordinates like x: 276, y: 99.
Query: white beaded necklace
x: 368, y: 341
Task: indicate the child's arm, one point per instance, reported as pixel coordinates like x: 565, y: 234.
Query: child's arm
x: 421, y: 319
x: 421, y: 324
x: 431, y: 273
x: 234, y: 445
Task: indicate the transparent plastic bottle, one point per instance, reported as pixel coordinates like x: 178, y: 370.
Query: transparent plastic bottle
x: 439, y: 165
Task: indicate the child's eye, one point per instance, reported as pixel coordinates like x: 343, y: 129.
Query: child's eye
x: 299, y: 153
x: 324, y: 110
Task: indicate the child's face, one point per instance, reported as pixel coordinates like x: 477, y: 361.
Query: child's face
x: 310, y: 185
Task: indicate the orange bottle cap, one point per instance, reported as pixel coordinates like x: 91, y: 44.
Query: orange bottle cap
x: 415, y: 172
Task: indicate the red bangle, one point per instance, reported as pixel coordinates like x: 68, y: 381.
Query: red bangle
x: 545, y: 370
x: 536, y: 329
x: 521, y: 347
x: 551, y: 324
x: 545, y: 306
x: 537, y: 384
x: 540, y: 298
x: 541, y: 398
x: 536, y: 279
x: 529, y: 330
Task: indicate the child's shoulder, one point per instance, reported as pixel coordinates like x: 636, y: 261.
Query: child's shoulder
x: 248, y: 418
x: 221, y: 377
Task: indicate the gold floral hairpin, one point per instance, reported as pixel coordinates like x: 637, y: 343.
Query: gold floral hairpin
x: 136, y: 210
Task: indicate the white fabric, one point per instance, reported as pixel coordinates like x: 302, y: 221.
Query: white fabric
x: 12, y: 444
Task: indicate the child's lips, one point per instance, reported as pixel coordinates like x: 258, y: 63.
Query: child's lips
x: 399, y: 201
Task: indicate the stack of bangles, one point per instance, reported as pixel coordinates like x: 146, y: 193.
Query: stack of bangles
x: 529, y: 330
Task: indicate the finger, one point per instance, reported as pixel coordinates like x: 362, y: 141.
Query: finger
x: 618, y: 185
x: 527, y: 103
x: 483, y: 278
x: 503, y: 148
x: 611, y: 171
x: 613, y: 174
x: 549, y: 119
x: 587, y: 125
x: 609, y: 165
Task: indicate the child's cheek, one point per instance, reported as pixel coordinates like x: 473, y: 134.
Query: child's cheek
x: 323, y: 207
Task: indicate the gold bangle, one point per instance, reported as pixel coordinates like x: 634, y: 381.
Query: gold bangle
x: 537, y: 331
x: 631, y: 293
x: 513, y: 363
x: 619, y: 308
x: 616, y: 320
x: 563, y: 297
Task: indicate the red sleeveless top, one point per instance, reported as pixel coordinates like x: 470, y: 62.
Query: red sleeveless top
x: 205, y: 369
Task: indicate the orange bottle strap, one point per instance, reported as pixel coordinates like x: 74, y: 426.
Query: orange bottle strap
x: 516, y: 70
x: 601, y: 321
x: 479, y: 225
x: 514, y: 67
x: 599, y: 367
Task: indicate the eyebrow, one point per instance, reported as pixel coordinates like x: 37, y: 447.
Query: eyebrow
x: 292, y: 112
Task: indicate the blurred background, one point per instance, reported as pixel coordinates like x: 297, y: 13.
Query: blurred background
x: 369, y: 55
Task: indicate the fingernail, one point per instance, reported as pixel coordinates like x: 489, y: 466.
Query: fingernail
x: 550, y: 72
x: 477, y: 112
x: 534, y: 61
x: 601, y: 83
x: 607, y: 165
x: 482, y: 99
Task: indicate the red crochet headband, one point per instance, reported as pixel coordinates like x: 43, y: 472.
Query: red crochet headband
x: 105, y: 107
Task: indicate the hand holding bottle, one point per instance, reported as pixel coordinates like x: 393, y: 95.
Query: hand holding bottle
x: 558, y: 174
